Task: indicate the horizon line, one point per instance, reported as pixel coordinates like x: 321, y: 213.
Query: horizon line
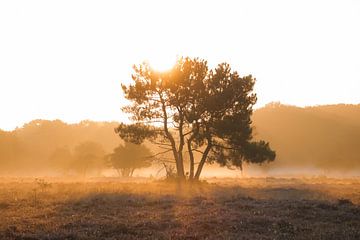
x: 273, y: 103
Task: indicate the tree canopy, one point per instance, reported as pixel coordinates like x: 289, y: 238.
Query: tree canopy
x: 194, y: 110
x: 61, y: 159
x: 88, y: 155
x: 128, y: 157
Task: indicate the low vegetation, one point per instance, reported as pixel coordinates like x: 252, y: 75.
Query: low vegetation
x: 264, y: 208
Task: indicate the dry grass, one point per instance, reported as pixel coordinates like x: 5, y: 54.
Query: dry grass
x: 266, y: 208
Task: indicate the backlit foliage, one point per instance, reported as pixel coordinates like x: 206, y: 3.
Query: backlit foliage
x: 193, y: 110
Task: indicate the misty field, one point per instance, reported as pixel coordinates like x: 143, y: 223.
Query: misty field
x: 246, y: 208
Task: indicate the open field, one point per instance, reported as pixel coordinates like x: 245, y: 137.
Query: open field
x: 248, y: 208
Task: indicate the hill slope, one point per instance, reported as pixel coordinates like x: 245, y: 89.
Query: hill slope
x: 325, y: 137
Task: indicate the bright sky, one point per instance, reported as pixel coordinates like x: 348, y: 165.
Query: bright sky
x: 66, y: 59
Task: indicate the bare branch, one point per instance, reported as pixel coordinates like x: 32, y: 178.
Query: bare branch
x: 195, y: 150
x: 165, y: 148
x: 185, y: 134
x: 159, y: 153
x: 162, y: 144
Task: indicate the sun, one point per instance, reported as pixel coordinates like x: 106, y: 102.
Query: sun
x: 162, y: 62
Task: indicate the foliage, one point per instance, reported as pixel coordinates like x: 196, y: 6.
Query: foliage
x: 88, y: 155
x: 206, y: 111
x: 61, y: 159
x: 32, y: 148
x: 11, y: 150
x: 136, y: 133
x: 128, y: 157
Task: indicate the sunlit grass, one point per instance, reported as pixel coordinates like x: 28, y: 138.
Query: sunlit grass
x: 147, y: 209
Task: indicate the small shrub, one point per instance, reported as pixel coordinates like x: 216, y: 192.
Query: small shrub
x: 344, y: 201
x: 42, y: 184
x: 3, y: 205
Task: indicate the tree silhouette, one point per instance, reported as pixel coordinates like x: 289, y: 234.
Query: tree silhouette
x: 61, y: 159
x: 12, y: 151
x: 196, y: 111
x: 128, y: 157
x: 88, y: 155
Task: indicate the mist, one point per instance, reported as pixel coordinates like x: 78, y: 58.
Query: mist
x: 310, y: 141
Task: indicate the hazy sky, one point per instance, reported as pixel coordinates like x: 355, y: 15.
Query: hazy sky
x: 66, y: 59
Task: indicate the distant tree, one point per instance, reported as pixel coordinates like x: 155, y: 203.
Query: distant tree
x: 42, y: 137
x: 128, y: 157
x: 12, y: 151
x: 88, y: 155
x: 196, y: 111
x: 61, y: 159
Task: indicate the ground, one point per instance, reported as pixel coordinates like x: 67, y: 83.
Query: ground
x: 243, y: 208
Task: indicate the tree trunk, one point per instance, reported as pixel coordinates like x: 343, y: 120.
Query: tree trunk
x: 125, y: 172
x: 179, y: 163
x: 181, y: 145
x: 191, y: 156
x: 202, y: 161
x: 118, y: 171
x: 180, y: 167
x: 84, y: 172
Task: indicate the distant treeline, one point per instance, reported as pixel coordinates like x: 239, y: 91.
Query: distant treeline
x: 323, y: 137
x: 42, y: 145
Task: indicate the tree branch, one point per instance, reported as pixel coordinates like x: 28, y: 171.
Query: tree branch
x: 162, y: 144
x: 159, y: 153
x: 195, y: 150
x: 179, y: 166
